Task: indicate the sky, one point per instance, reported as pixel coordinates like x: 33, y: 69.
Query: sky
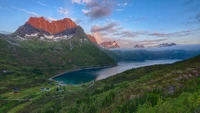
x: 129, y: 22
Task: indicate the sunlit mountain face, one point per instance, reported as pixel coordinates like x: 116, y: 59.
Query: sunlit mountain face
x: 129, y: 23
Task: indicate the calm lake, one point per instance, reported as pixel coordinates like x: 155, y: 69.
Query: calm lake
x: 87, y: 75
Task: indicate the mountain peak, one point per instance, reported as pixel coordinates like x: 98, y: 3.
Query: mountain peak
x: 139, y: 46
x: 53, y: 27
x: 166, y: 44
x: 109, y: 44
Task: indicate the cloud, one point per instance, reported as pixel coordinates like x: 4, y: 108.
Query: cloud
x: 130, y: 42
x: 192, y: 5
x: 76, y: 1
x: 128, y: 34
x: 77, y: 21
x: 197, y: 17
x: 50, y: 19
x: 63, y: 11
x: 134, y: 34
x: 99, y: 37
x: 98, y: 9
x: 150, y: 42
x: 86, y: 12
x: 122, y: 4
x: 193, y: 20
x: 126, y: 37
x: 174, y: 34
x: 131, y: 34
x: 41, y: 4
x: 81, y: 1
x: 104, y: 34
x: 86, y: 1
x: 110, y: 27
x: 119, y: 10
x: 28, y: 12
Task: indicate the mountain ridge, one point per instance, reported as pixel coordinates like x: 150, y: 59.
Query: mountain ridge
x: 53, y: 27
x: 109, y: 44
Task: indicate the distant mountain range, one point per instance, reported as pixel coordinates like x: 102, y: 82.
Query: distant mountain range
x: 160, y: 45
x: 139, y: 46
x: 167, y: 44
x: 153, y: 53
x: 5, y: 32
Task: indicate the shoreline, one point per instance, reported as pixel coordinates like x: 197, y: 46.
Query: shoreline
x: 94, y: 67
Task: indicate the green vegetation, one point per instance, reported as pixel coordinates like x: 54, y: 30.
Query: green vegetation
x: 153, y: 89
x: 29, y: 63
x: 170, y: 88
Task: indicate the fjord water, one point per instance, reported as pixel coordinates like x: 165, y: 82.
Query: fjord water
x: 87, y: 75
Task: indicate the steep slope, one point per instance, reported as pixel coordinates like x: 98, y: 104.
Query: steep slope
x: 113, y: 55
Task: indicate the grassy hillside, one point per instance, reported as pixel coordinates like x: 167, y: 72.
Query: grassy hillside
x: 152, y: 89
x: 27, y: 63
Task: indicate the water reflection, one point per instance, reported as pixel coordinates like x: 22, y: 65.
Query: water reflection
x: 122, y: 66
x: 83, y: 76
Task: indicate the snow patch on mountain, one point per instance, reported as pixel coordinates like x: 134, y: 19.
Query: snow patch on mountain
x: 31, y: 35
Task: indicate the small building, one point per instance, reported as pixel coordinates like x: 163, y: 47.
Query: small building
x: 16, y: 90
x: 47, y: 89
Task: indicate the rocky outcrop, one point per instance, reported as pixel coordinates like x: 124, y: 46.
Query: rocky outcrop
x: 92, y: 38
x: 28, y: 29
x: 41, y: 28
x: 53, y: 27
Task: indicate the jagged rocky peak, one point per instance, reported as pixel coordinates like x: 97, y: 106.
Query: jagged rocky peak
x: 92, y: 38
x: 38, y: 27
x: 109, y: 44
x: 53, y: 27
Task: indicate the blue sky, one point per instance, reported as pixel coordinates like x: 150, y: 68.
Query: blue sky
x: 129, y: 22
